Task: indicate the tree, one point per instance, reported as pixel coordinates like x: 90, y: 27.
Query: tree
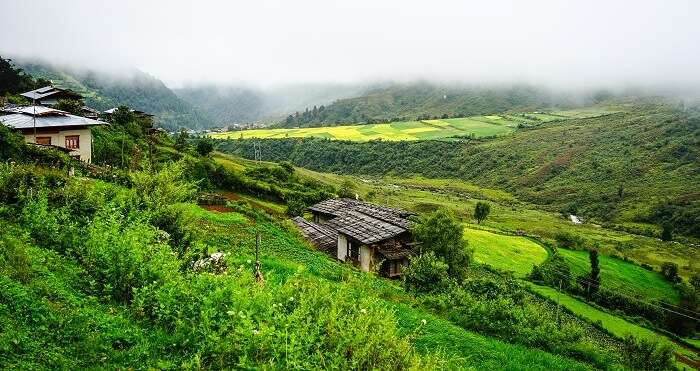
x: 695, y: 281
x: 72, y: 106
x: 425, y: 273
x: 205, y: 146
x: 594, y: 276
x: 666, y: 232
x: 295, y: 207
x: 347, y: 189
x: 122, y: 116
x: 670, y: 271
x: 182, y: 141
x: 481, y: 211
x: 442, y: 233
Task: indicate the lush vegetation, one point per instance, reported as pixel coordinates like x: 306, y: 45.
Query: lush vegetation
x: 136, y: 89
x: 14, y: 81
x: 542, y: 165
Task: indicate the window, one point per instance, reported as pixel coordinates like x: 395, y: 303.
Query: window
x: 72, y: 141
x: 43, y: 140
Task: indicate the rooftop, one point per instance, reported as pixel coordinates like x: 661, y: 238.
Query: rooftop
x: 48, y: 91
x: 24, y: 118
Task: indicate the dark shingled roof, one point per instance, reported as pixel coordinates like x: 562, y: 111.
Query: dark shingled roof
x: 365, y: 228
x: 321, y: 236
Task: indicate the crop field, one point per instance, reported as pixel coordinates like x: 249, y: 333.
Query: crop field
x: 622, y: 276
x: 508, y: 253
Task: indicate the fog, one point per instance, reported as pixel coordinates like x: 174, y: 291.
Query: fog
x: 575, y: 44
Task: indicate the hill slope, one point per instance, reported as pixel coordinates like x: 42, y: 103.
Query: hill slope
x: 136, y: 89
x: 404, y: 102
x: 231, y: 104
x: 615, y: 167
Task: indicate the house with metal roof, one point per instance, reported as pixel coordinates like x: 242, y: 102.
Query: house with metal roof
x: 49, y: 95
x: 50, y: 127
x: 368, y: 235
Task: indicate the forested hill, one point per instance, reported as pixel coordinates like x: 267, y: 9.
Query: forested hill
x: 136, y: 89
x: 243, y: 104
x: 638, y: 164
x: 403, y: 102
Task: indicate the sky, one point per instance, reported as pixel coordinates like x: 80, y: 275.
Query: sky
x: 561, y: 43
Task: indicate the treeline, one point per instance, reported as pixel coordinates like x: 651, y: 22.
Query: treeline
x: 420, y: 101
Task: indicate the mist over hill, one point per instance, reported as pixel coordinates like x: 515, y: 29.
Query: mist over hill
x: 229, y: 104
x: 134, y: 88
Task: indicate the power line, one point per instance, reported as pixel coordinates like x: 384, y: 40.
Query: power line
x: 632, y: 297
x: 630, y: 293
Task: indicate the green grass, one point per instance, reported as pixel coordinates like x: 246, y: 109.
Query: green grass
x: 507, y: 253
x: 467, y: 350
x: 623, y: 277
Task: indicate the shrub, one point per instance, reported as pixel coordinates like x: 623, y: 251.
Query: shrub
x: 442, y: 233
x: 426, y: 273
x: 670, y: 271
x: 645, y: 354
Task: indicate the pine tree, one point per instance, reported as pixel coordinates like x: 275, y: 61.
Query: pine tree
x: 594, y: 278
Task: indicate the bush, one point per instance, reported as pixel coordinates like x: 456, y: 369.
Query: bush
x: 426, y: 273
x: 442, y: 233
x: 645, y: 354
x: 670, y: 271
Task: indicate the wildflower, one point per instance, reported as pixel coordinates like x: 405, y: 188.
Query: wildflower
x: 363, y: 311
x: 255, y: 332
x: 423, y: 322
x: 274, y: 305
x: 248, y: 261
x: 230, y: 313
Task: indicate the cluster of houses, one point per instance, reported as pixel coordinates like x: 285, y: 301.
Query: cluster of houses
x: 43, y: 125
x: 372, y: 237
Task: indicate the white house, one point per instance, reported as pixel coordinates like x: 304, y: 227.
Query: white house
x: 50, y: 127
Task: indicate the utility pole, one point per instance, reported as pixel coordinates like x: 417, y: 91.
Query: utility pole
x: 257, y: 272
x: 558, y: 305
x: 34, y: 117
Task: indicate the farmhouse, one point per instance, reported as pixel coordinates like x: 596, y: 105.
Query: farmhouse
x: 49, y: 95
x: 367, y: 235
x: 50, y: 127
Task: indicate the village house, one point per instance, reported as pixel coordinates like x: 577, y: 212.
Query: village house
x: 367, y: 235
x: 46, y: 126
x: 138, y: 113
x: 49, y: 96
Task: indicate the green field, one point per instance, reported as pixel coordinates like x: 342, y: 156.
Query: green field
x: 477, y: 126
x: 624, y: 277
x: 406, y: 130
x: 507, y: 253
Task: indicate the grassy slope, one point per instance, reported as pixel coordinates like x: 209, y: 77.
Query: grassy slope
x: 285, y: 254
x: 506, y: 253
x: 622, y: 276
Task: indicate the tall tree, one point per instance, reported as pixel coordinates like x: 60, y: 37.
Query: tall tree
x: 442, y: 233
x: 594, y: 276
x: 481, y: 211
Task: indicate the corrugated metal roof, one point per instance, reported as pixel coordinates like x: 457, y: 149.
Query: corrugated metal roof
x: 23, y: 118
x: 48, y: 91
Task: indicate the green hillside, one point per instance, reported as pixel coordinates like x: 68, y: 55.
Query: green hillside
x: 418, y: 101
x: 135, y: 89
x: 637, y: 165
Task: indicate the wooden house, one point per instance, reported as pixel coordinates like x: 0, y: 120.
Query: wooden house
x: 367, y: 235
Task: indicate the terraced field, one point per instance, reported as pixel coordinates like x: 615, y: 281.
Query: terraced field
x: 476, y: 126
x: 509, y: 253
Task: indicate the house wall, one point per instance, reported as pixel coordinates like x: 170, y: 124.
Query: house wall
x: 365, y: 258
x: 342, y: 247
x: 58, y: 138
